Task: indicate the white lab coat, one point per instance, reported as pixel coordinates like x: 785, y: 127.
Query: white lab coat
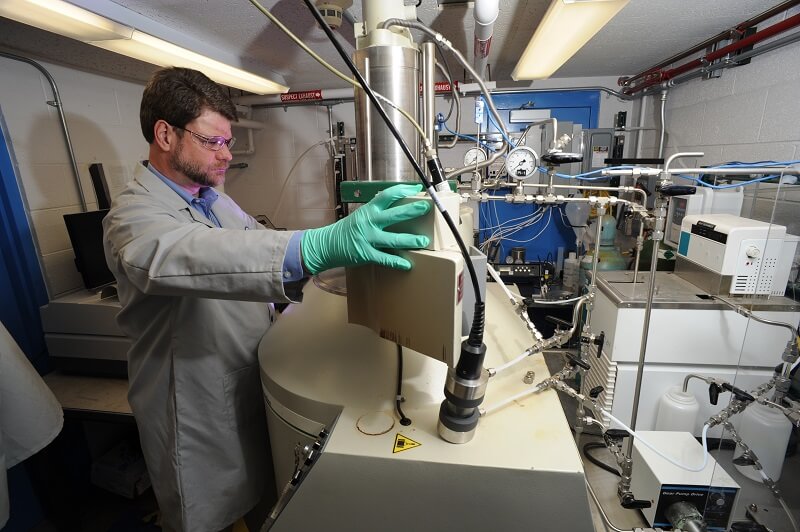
x: 194, y: 304
x: 30, y: 415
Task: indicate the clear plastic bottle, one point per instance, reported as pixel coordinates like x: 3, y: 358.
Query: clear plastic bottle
x: 571, y: 265
x: 677, y: 411
x: 766, y: 431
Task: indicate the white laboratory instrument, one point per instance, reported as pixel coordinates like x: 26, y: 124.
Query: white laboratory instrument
x: 521, y: 162
x: 689, y: 333
x: 81, y: 333
x: 727, y: 254
x: 705, y: 200
x: 712, y: 493
x: 375, y: 474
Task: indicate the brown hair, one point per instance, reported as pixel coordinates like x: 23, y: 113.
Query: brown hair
x: 178, y: 96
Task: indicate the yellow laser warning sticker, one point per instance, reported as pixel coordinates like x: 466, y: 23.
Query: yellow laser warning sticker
x: 403, y: 443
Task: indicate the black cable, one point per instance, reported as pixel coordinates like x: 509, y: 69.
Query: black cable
x: 597, y: 445
x: 404, y: 147
x: 399, y: 397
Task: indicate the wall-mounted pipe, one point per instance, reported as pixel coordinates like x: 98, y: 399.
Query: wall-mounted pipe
x: 485, y: 13
x: 659, y: 76
x: 725, y: 35
x: 56, y: 102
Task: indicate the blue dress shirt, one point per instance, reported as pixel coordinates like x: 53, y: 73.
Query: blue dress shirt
x: 292, y: 261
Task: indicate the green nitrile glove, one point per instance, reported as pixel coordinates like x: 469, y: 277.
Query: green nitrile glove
x: 355, y: 239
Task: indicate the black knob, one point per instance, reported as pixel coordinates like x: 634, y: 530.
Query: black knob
x: 575, y: 361
x: 713, y: 392
x: 594, y: 392
x: 616, y: 434
x: 677, y: 190
x: 630, y: 503
x: 599, y: 342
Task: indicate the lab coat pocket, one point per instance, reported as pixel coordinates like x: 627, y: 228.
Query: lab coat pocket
x: 243, y: 400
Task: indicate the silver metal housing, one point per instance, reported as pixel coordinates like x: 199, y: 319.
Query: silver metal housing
x: 392, y: 71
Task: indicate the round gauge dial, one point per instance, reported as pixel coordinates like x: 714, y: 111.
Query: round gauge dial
x: 521, y: 162
x: 474, y: 156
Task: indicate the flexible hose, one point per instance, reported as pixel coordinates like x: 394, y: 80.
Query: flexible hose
x: 602, y: 465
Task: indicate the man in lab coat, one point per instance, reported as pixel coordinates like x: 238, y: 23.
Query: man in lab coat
x: 195, y: 274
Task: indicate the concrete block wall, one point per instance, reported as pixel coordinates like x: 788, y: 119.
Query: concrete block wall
x: 103, y: 118
x: 751, y: 113
x: 305, y: 198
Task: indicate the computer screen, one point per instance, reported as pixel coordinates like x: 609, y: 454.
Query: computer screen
x: 86, y: 234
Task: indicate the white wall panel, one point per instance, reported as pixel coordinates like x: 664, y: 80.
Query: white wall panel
x: 103, y: 118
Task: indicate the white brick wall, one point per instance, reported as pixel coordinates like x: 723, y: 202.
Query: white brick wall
x: 103, y: 118
x: 751, y: 113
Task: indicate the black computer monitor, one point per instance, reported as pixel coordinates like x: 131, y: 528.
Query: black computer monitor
x: 86, y: 234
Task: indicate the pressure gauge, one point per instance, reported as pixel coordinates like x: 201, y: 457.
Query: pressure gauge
x: 474, y: 156
x: 521, y: 162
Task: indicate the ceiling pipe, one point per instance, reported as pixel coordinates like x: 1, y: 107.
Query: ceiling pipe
x: 731, y: 33
x: 485, y: 13
x: 659, y: 76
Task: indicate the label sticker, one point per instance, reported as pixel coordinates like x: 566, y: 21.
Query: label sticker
x: 403, y: 443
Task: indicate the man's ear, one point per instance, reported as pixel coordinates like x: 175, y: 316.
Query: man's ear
x: 164, y: 136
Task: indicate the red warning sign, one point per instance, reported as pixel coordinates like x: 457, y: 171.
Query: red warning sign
x: 302, y: 96
x: 440, y: 87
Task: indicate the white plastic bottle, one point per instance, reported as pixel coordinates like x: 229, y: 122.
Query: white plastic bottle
x: 766, y: 431
x: 571, y: 265
x: 677, y: 411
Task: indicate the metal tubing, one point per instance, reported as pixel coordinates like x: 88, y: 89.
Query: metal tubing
x: 678, y: 155
x: 640, y: 132
x: 749, y: 314
x: 717, y: 38
x: 770, y: 31
x: 648, y: 309
x: 58, y: 105
x: 427, y: 73
x: 602, y: 512
x: 639, y: 245
x: 331, y: 147
x: 592, y: 187
x: 764, y: 48
x: 786, y: 170
x: 601, y: 211
x: 663, y: 123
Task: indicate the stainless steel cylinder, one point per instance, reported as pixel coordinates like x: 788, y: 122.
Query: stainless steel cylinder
x: 392, y: 71
x: 428, y: 54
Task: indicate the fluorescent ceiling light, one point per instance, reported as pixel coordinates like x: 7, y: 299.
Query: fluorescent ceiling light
x: 153, y: 50
x: 74, y: 22
x: 566, y: 28
x: 63, y: 18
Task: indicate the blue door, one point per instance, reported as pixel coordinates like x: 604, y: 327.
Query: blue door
x: 22, y: 288
x: 540, y: 231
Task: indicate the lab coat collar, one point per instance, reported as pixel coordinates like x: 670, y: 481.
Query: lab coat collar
x: 153, y: 184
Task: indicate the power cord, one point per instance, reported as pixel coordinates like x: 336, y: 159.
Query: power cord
x: 399, y: 397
